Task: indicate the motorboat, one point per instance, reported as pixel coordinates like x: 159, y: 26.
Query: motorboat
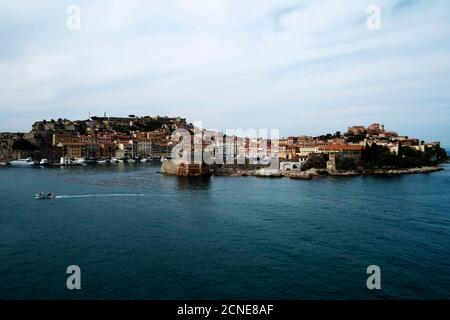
x: 90, y: 160
x: 44, y: 162
x: 44, y: 195
x: 22, y: 162
x: 102, y: 161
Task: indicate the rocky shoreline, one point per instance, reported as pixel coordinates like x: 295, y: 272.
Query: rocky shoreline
x: 314, y: 173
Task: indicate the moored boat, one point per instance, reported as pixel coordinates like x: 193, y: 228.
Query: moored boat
x: 90, y: 161
x: 80, y: 161
x: 44, y: 162
x: 23, y: 162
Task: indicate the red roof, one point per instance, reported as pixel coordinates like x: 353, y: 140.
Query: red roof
x: 341, y: 147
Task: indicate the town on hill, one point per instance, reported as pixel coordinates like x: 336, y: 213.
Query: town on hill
x: 133, y: 138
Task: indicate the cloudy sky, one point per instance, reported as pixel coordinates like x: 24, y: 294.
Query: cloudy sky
x: 304, y: 66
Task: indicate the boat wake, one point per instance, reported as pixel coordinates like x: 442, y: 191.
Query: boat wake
x: 101, y: 195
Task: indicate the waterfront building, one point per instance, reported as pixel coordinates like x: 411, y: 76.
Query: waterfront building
x: 107, y: 150
x: 91, y: 150
x: 126, y: 149
x: 103, y: 138
x: 160, y: 135
x: 144, y: 147
x: 72, y: 150
x: 160, y: 149
x: 60, y: 139
x: 348, y: 151
x: 307, y: 150
x: 293, y: 165
x: 87, y: 139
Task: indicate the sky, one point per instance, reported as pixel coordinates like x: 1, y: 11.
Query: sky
x: 303, y: 67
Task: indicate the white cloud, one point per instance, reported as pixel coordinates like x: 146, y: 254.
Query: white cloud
x: 302, y: 66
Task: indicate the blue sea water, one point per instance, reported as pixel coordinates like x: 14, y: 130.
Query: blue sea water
x: 137, y: 234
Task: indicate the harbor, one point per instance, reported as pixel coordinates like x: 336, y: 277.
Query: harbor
x: 361, y: 150
x: 66, y: 162
x: 191, y: 234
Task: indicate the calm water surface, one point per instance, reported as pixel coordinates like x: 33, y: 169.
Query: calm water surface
x: 137, y: 234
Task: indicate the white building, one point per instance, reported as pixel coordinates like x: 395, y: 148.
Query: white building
x: 305, y: 151
x: 144, y: 147
x: 292, y: 165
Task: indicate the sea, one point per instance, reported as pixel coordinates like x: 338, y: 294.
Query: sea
x: 137, y: 234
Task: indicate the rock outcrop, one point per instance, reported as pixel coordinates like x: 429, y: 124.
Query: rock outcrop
x: 185, y: 169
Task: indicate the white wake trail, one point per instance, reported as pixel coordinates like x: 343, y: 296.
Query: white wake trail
x: 102, y: 195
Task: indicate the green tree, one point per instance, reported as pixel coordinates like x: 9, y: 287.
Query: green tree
x: 355, y: 138
x: 346, y: 164
x: 375, y: 156
x: 410, y: 158
x: 22, y: 144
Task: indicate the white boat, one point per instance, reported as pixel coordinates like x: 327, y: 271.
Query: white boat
x: 81, y: 161
x: 22, y: 162
x: 102, y: 161
x: 131, y: 160
x: 145, y: 160
x: 44, y: 195
x: 114, y: 160
x: 44, y: 162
